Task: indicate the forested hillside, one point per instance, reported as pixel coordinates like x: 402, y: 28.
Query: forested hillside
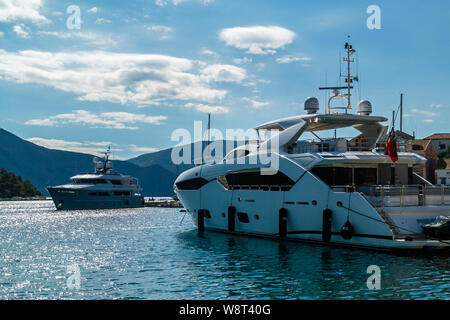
x: 13, y: 186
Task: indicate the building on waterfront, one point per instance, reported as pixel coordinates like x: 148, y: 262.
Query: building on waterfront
x: 443, y: 173
x: 441, y: 141
x: 426, y: 149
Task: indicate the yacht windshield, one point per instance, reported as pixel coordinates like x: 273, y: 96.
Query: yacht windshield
x: 89, y: 181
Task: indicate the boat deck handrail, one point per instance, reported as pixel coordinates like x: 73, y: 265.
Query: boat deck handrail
x: 401, y: 195
x: 341, y: 144
x: 260, y: 187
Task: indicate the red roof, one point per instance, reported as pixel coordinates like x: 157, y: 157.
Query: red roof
x: 438, y: 136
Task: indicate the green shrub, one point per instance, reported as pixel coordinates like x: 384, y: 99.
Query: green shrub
x: 13, y: 186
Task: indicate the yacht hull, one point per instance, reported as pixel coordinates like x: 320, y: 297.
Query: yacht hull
x: 388, y: 245
x: 374, y: 242
x: 73, y: 199
x: 301, y: 214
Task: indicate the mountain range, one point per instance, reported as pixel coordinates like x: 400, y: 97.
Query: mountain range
x: 47, y: 167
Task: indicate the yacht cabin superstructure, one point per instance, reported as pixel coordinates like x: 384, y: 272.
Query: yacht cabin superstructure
x: 334, y: 191
x: 101, y: 189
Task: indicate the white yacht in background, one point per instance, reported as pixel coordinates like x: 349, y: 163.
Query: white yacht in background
x: 332, y: 191
x: 98, y: 190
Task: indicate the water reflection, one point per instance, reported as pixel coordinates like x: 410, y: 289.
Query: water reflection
x: 146, y: 253
x: 262, y: 268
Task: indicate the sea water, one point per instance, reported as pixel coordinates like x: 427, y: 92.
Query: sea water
x: 152, y: 253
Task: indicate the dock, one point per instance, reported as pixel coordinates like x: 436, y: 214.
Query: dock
x: 162, y: 202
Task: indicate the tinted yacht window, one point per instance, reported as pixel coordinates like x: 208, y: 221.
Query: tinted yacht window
x: 90, y: 181
x: 255, y: 180
x: 334, y: 176
x: 191, y: 184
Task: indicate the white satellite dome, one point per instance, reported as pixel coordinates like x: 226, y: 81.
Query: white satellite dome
x: 109, y: 165
x: 99, y: 165
x: 364, y: 108
x: 311, y: 105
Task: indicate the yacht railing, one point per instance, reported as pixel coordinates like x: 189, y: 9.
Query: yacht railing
x: 260, y: 187
x: 401, y: 196
x: 341, y: 144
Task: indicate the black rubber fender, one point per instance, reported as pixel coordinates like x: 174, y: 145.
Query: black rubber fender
x: 327, y: 218
x: 282, y: 222
x: 231, y: 218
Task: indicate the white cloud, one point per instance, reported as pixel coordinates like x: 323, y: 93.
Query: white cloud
x: 436, y: 106
x: 424, y: 112
x: 256, y: 104
x: 207, y: 108
x: 1, y: 34
x: 129, y: 20
x: 163, y: 3
x: 41, y: 122
x: 257, y: 39
x: 428, y: 120
x: 207, y: 52
x: 223, y: 73
x: 93, y: 10
x: 142, y: 79
x: 90, y: 147
x: 22, y: 31
x: 113, y: 120
x: 99, y: 40
x: 260, y: 66
x: 161, y: 28
x: 102, y: 21
x: 243, y: 60
x: 20, y: 10
x: 135, y: 148
x: 290, y: 59
x: 163, y: 32
x: 95, y: 148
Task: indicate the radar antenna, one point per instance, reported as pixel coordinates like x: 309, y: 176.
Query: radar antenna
x: 348, y: 80
x: 107, y: 164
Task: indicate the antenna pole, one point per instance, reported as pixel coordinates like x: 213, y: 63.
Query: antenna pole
x: 393, y: 118
x: 348, y: 81
x: 348, y: 78
x: 401, y: 111
x: 209, y: 125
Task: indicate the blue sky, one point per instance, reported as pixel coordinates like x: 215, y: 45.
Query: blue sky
x: 137, y: 70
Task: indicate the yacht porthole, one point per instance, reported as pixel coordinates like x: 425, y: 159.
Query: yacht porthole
x: 256, y: 216
x: 243, y: 217
x: 314, y: 202
x: 239, y: 199
x: 223, y: 214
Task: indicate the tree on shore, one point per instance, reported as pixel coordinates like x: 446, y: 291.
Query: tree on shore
x: 13, y: 186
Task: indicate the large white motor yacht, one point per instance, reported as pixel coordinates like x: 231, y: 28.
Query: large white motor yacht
x: 101, y: 189
x: 332, y: 191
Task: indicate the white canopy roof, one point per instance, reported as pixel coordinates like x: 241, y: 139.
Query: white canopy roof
x: 292, y: 128
x: 316, y: 122
x: 100, y: 176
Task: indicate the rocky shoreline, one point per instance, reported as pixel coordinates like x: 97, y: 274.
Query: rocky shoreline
x: 36, y: 198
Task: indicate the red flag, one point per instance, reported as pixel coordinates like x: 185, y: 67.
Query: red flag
x: 391, y: 146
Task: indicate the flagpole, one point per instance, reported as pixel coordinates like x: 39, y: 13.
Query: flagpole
x: 393, y: 119
x: 401, y: 111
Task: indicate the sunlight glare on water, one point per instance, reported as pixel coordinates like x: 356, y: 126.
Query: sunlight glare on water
x: 145, y: 253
